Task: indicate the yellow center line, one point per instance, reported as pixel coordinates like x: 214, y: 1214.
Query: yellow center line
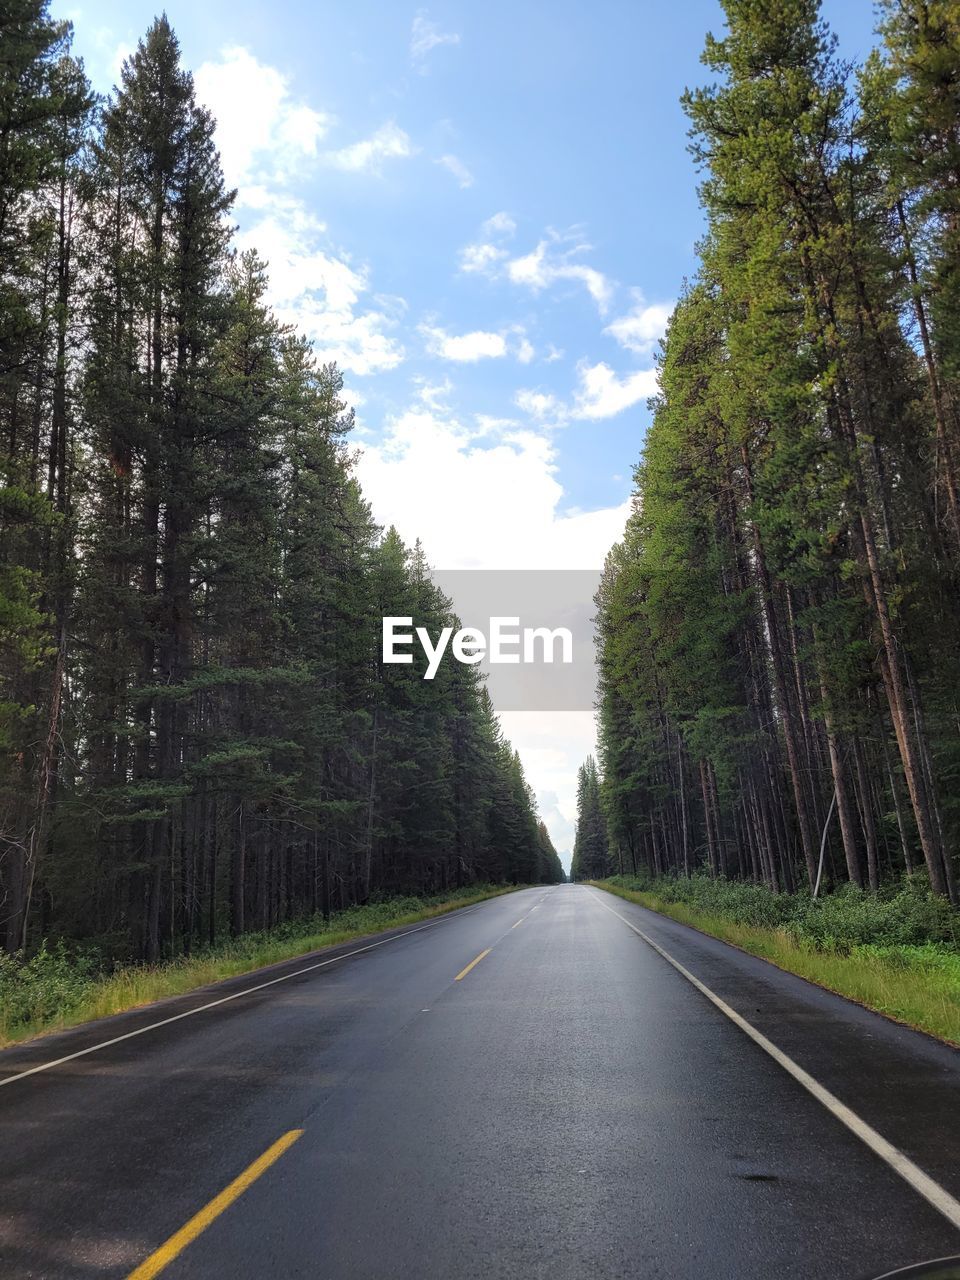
x: 463, y: 972
x: 173, y: 1247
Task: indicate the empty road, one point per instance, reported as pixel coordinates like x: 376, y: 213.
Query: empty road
x: 526, y: 1088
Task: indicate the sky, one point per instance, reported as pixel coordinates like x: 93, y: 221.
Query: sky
x: 483, y: 213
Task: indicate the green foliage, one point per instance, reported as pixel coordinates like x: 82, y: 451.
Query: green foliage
x: 917, y: 983
x: 196, y: 732
x: 59, y: 985
x: 905, y: 915
x: 591, y: 854
x: 779, y: 632
x: 51, y: 984
x: 915, y: 91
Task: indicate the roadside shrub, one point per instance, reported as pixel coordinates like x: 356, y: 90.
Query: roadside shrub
x: 897, y: 951
x: 903, y: 915
x: 58, y: 983
x: 907, y: 916
x: 51, y: 984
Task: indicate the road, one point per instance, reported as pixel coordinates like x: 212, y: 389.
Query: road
x: 570, y: 1105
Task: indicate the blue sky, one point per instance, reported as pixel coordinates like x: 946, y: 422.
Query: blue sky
x: 483, y: 212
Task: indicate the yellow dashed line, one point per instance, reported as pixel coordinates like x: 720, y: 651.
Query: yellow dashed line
x: 463, y: 972
x: 200, y: 1221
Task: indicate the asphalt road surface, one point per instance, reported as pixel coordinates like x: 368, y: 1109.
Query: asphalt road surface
x: 570, y: 1105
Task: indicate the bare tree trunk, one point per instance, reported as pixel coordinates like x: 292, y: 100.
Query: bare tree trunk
x: 237, y: 875
x: 371, y: 805
x: 944, y: 442
x: 874, y: 587
x: 866, y: 816
x: 844, y: 813
x: 683, y: 809
x: 707, y: 820
x: 781, y: 690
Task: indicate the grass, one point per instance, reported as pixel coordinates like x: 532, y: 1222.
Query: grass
x: 55, y: 989
x: 914, y: 982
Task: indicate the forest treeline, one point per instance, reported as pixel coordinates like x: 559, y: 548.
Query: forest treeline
x: 196, y: 734
x: 779, y: 629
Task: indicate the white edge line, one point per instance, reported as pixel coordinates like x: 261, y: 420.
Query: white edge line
x: 932, y: 1192
x: 165, y: 1022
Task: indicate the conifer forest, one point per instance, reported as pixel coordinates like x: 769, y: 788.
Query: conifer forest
x: 327, y: 948
x: 779, y: 629
x: 196, y: 735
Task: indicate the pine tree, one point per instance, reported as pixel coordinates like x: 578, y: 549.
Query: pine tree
x: 198, y: 734
x: 158, y: 314
x: 591, y: 855
x: 45, y: 106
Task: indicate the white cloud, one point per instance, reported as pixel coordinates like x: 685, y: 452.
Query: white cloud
x: 487, y: 424
x: 642, y: 327
x: 426, y: 35
x: 480, y: 257
x: 501, y: 224
x: 260, y: 128
x: 454, y: 165
x: 480, y: 344
x: 483, y: 255
x: 466, y: 347
x: 602, y: 394
x: 553, y: 260
x: 544, y: 267
x: 321, y: 292
x: 264, y: 136
x: 388, y: 143
x: 432, y: 478
x: 432, y: 395
x: 538, y: 404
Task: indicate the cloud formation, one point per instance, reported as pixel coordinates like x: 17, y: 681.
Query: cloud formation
x: 602, y: 394
x: 484, y: 254
x: 500, y: 224
x: 466, y: 347
x: 265, y: 135
x: 425, y: 36
x: 539, y: 404
x: 553, y: 260
x: 262, y: 131
x: 322, y: 293
x: 436, y: 475
x: 642, y: 327
x: 453, y: 164
x: 389, y: 142
x: 547, y: 264
x: 479, y: 344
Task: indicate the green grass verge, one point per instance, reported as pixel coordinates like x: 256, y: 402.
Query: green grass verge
x: 55, y: 989
x: 915, y: 984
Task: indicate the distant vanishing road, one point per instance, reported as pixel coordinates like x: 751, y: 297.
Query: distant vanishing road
x: 525, y: 1088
